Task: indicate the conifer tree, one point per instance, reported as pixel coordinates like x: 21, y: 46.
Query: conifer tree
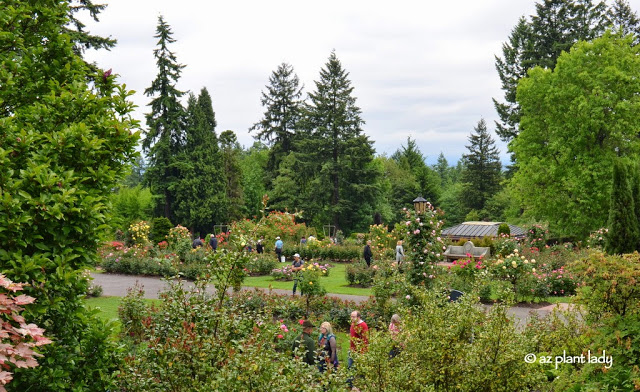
x: 282, y: 105
x: 410, y: 158
x: 231, y: 151
x: 200, y: 191
x: 165, y: 136
x: 337, y: 153
x: 624, y: 19
x: 442, y: 169
x: 623, y: 232
x: 482, y: 169
x: 81, y: 38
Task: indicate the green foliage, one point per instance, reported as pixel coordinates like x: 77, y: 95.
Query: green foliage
x: 612, y: 282
x: 536, y: 236
x: 67, y: 136
x: 575, y: 124
x: 278, y: 127
x: 448, y: 346
x: 231, y: 151
x: 423, y: 245
x: 624, y: 234
x: 253, y: 165
x: 481, y: 175
x: 160, y: 228
x: 504, y: 229
x: 337, y: 158
x: 428, y: 183
x: 200, y: 197
x: 133, y: 313
x: 130, y: 205
x: 165, y: 137
x: 540, y: 40
x: 360, y: 274
x: 261, y: 264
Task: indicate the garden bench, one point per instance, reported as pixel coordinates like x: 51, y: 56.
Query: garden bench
x: 460, y: 252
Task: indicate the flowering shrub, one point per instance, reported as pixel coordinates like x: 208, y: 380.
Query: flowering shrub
x: 424, y: 245
x: 179, y: 239
x: 360, y: 274
x: 536, y: 236
x: 139, y: 232
x: 504, y: 245
x: 18, y: 338
x: 275, y: 224
x: 597, y: 238
x: 285, y: 273
x: 381, y: 240
x: 261, y: 264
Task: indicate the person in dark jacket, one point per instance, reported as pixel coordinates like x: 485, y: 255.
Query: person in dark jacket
x: 367, y: 253
x: 196, y: 243
x: 213, y: 242
x: 260, y: 246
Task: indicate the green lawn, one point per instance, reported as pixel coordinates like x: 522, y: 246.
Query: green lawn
x: 334, y: 283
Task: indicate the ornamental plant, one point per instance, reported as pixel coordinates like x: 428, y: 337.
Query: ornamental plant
x: 536, y: 236
x: 18, y: 339
x: 515, y: 269
x: 597, y: 239
x: 139, y: 232
x: 309, y: 282
x: 423, y: 246
x: 381, y: 240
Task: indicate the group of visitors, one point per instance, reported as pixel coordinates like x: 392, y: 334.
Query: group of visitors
x: 324, y: 352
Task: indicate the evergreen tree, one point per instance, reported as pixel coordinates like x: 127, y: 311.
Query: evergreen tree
x: 136, y: 177
x: 442, y: 169
x: 482, y: 169
x: 200, y: 194
x: 282, y: 112
x: 556, y: 26
x: 231, y: 152
x: 624, y: 19
x: 82, y: 39
x: 165, y: 137
x: 337, y: 153
x: 411, y: 158
x: 623, y: 232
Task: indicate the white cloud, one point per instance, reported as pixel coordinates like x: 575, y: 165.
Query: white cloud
x: 419, y: 68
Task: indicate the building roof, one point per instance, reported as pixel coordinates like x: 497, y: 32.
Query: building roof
x: 479, y: 230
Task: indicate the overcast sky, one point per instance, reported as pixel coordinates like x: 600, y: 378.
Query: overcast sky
x: 423, y: 69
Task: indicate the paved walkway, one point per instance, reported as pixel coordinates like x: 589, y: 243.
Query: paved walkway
x: 116, y: 285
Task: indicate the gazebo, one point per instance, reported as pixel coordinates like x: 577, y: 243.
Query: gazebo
x: 471, y: 230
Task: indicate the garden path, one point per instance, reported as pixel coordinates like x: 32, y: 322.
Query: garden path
x: 116, y: 285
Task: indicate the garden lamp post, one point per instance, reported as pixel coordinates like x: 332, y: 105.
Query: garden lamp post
x: 420, y: 204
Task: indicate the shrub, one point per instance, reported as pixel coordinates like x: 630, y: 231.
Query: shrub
x: 360, y: 274
x: 133, y: 313
x: 160, y: 228
x: 130, y: 205
x: 504, y: 229
x: 261, y: 264
x: 139, y: 232
x: 536, y: 236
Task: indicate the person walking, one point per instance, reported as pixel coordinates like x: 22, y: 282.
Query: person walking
x: 279, y: 246
x: 367, y: 254
x: 329, y: 347
x: 306, y: 343
x: 399, y: 252
x: 197, y: 242
x: 296, y: 266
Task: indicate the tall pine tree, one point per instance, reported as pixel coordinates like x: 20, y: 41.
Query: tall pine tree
x: 482, y: 169
x: 165, y: 136
x: 200, y: 192
x: 337, y: 153
x: 282, y: 105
